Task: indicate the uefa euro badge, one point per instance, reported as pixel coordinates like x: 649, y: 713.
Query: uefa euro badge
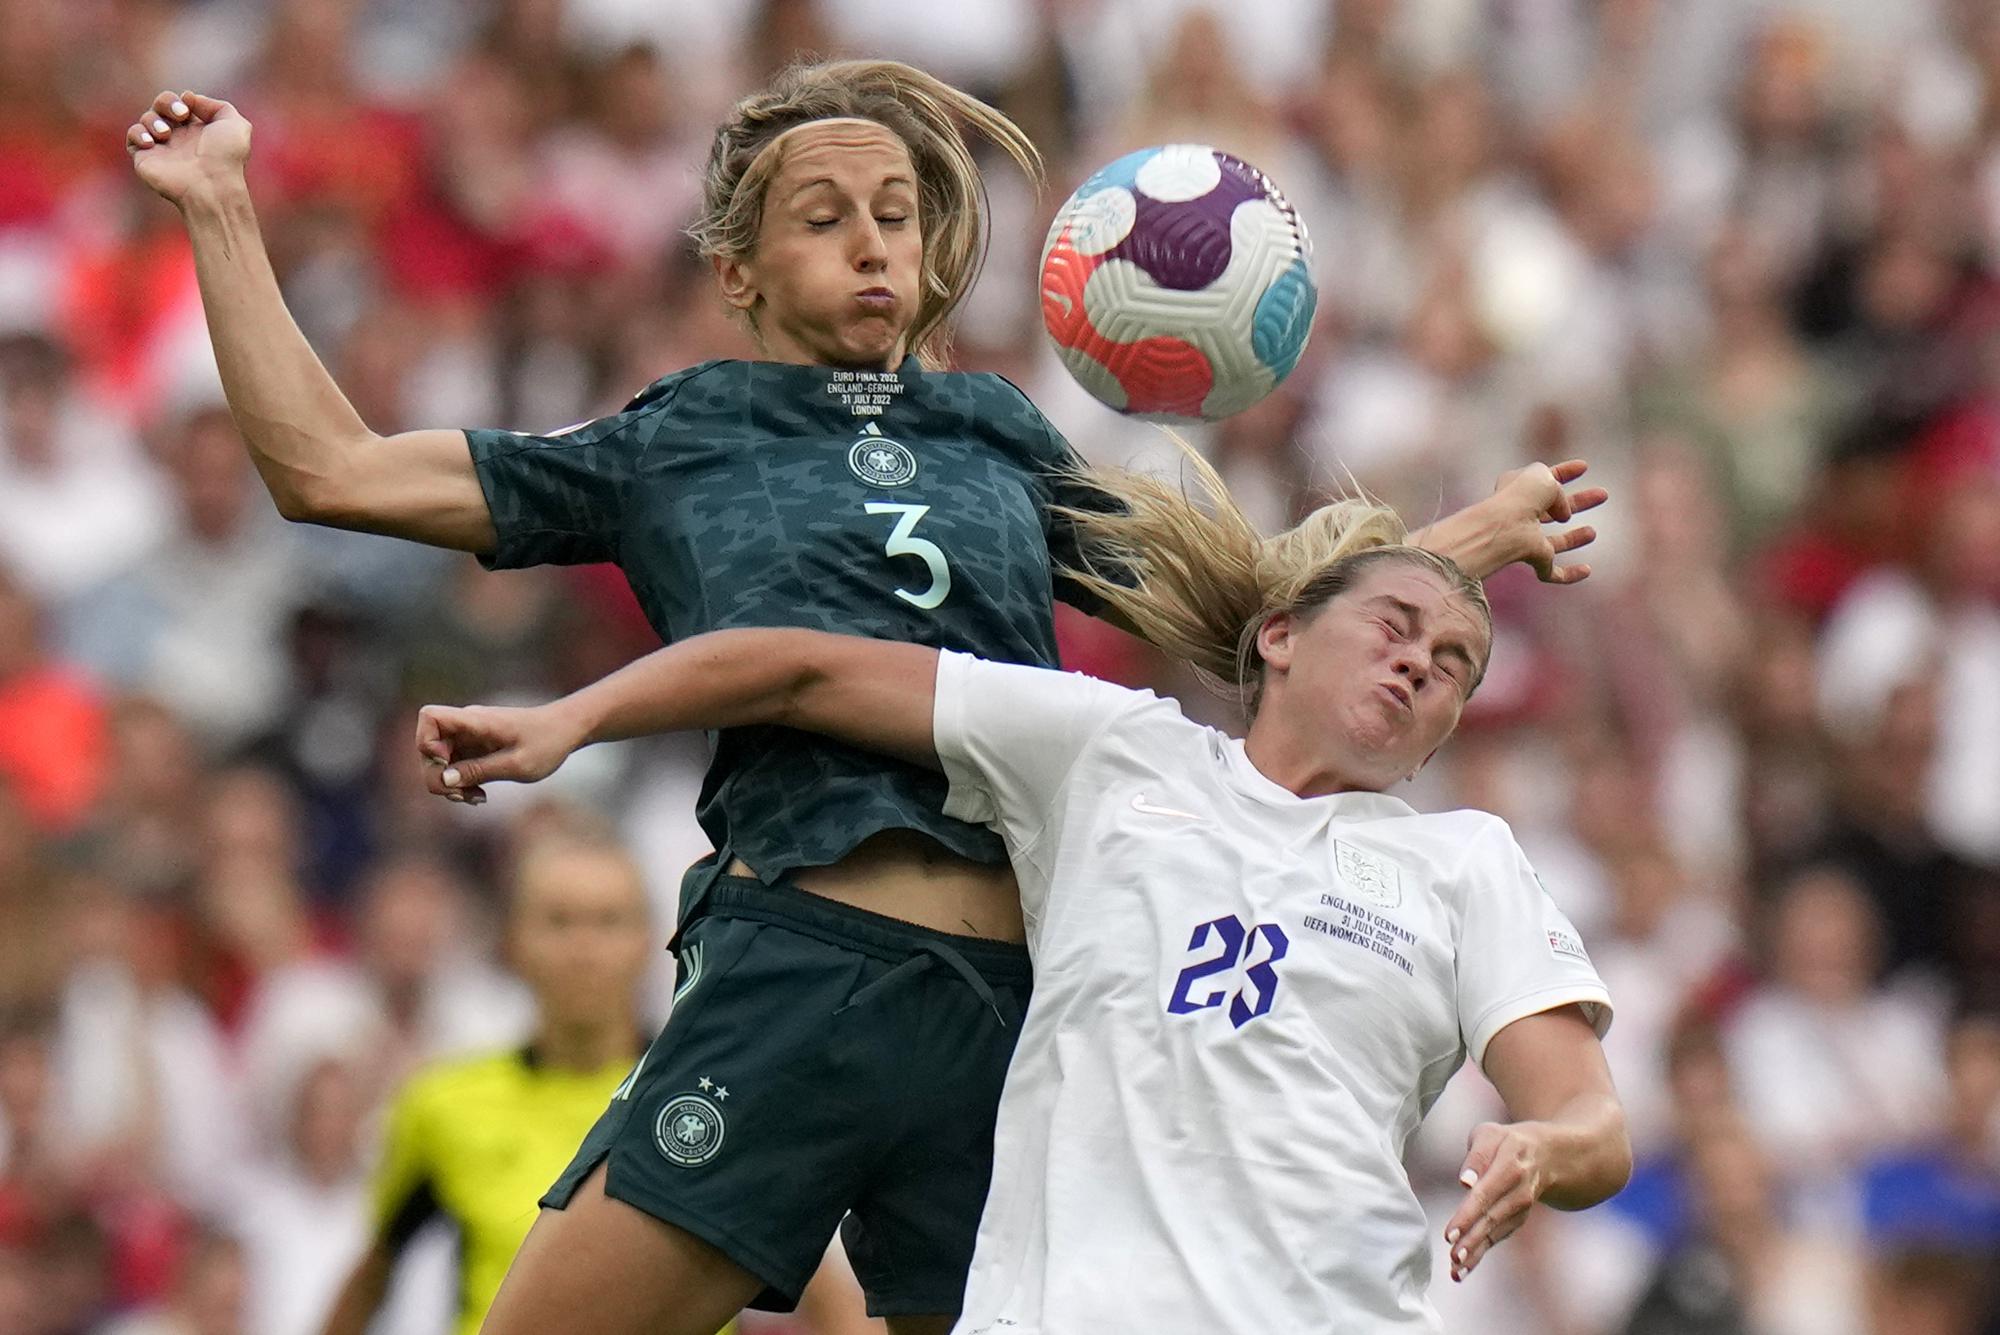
x: 1367, y: 875
x: 689, y: 1130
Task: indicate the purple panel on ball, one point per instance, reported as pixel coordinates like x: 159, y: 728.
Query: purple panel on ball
x: 1185, y: 245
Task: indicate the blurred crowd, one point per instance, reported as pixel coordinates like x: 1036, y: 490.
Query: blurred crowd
x: 1743, y: 255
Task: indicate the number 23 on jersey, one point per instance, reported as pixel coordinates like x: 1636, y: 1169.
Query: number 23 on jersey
x: 1225, y: 943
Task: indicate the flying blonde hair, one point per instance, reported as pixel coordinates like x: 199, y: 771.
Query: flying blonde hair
x: 1193, y: 576
x: 926, y: 114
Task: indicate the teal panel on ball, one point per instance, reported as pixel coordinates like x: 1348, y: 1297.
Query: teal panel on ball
x: 1123, y: 172
x: 1284, y: 318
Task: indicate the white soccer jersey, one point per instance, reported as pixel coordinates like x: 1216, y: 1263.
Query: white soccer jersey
x: 1244, y: 1003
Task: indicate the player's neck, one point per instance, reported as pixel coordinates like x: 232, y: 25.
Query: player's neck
x: 586, y: 1046
x: 1279, y: 756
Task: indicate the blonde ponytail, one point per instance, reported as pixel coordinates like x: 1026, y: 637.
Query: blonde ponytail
x: 1192, y: 575
x: 927, y: 114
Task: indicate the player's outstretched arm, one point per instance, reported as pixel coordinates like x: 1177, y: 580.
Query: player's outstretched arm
x: 877, y: 694
x: 1512, y: 524
x: 1567, y: 1146
x: 319, y: 460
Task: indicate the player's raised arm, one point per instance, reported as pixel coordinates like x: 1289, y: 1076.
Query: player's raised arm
x: 1512, y: 524
x: 872, y: 693
x: 317, y: 457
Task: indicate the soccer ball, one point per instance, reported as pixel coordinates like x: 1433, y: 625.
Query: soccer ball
x: 1175, y: 284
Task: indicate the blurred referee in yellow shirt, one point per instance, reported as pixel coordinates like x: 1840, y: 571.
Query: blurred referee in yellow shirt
x: 477, y: 1140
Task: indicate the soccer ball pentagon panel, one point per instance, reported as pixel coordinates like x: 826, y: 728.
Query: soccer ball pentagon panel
x: 1176, y: 286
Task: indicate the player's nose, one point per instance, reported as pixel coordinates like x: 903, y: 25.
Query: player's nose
x: 871, y: 250
x: 1413, y: 666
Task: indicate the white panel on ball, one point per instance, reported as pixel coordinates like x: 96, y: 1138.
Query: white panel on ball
x: 1180, y: 172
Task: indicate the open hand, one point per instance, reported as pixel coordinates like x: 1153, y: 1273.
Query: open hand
x: 1529, y: 500
x: 186, y: 142
x: 463, y: 748
x: 1504, y: 1174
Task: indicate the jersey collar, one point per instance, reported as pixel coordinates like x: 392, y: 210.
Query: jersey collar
x: 1343, y: 806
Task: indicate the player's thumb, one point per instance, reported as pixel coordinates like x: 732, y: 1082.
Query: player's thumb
x: 472, y: 773
x: 1479, y: 1151
x: 204, y: 107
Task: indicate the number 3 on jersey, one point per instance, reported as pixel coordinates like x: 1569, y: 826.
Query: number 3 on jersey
x: 904, y: 542
x: 1231, y: 944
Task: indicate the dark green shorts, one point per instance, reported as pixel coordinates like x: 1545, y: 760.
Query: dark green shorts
x: 821, y: 1063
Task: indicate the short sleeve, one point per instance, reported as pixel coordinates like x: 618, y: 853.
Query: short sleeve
x: 560, y: 499
x: 401, y: 1196
x: 1518, y: 955
x: 1064, y: 474
x: 1008, y: 737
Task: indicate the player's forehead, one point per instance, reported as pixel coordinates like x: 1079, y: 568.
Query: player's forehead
x: 847, y: 154
x: 1402, y: 585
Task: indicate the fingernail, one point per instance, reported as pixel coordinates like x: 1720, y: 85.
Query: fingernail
x: 1453, y: 1235
x: 145, y: 138
x: 159, y: 126
x: 179, y: 108
x: 1461, y: 1255
x: 1467, y: 1178
x: 451, y: 777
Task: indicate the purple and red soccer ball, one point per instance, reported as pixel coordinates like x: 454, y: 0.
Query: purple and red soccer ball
x: 1176, y: 284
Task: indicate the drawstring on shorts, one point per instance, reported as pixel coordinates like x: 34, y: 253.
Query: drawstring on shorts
x: 930, y: 952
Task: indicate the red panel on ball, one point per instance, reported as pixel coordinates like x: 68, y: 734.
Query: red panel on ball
x: 1160, y: 375
x: 1065, y: 273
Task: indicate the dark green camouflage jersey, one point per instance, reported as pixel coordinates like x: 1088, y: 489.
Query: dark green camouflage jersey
x: 910, y: 505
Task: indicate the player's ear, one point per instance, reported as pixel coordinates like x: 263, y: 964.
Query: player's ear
x: 738, y: 284
x: 1274, y: 641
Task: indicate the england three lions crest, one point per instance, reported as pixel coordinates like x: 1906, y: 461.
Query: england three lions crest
x: 1368, y: 876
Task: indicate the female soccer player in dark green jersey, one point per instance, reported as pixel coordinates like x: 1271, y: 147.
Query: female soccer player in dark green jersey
x: 851, y: 967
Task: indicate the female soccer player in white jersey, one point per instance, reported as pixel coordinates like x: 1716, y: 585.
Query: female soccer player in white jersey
x: 1255, y: 969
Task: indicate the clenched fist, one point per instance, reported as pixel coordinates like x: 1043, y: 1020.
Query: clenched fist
x: 186, y: 143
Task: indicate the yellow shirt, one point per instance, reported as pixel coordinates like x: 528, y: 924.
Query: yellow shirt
x: 478, y: 1141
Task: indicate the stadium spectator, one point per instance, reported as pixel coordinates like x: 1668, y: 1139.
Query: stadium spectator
x: 78, y: 499
x: 53, y: 743
x: 303, y: 1218
x: 207, y: 1297
x: 1828, y: 1066
x: 198, y: 619
x: 1933, y: 1210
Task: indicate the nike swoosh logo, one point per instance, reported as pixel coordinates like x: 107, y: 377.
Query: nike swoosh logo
x: 1140, y: 804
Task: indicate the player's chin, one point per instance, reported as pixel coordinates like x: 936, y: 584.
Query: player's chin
x: 872, y: 340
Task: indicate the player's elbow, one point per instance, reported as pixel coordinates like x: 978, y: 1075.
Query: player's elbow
x: 327, y: 491
x: 1604, y: 1168
x: 802, y: 683
x: 299, y: 504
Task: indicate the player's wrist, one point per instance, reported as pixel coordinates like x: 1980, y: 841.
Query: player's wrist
x: 215, y: 197
x: 574, y: 722
x: 1475, y: 538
